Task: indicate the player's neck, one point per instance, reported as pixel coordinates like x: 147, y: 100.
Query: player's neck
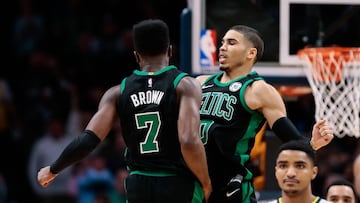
x: 153, y: 63
x: 234, y: 73
x: 298, y: 199
x: 153, y: 67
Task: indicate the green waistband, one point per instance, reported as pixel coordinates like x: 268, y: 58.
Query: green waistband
x: 153, y: 173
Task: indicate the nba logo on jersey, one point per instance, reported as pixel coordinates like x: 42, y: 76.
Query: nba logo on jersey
x: 208, y: 48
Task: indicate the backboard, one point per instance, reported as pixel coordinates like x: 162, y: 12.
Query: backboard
x: 290, y: 22
x: 317, y: 23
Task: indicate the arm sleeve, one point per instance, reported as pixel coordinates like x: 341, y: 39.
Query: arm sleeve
x: 75, y: 151
x: 286, y: 130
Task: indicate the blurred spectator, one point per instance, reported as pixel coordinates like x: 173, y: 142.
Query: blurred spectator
x: 102, y: 198
x: 96, y: 179
x: 334, y: 161
x: 10, y: 138
x: 28, y: 30
x: 77, y: 171
x: 45, y: 89
x: 118, y: 195
x: 341, y: 191
x: 56, y: 140
x: 7, y: 110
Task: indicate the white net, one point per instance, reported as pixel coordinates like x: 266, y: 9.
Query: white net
x: 334, y: 77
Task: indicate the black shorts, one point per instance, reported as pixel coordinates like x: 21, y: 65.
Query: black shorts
x: 168, y: 189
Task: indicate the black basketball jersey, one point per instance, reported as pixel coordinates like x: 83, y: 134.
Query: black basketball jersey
x: 228, y: 127
x: 148, y: 110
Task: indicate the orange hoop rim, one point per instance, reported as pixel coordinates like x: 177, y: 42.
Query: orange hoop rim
x: 327, y: 62
x: 326, y: 51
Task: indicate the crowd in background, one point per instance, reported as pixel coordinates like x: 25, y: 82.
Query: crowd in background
x: 61, y: 56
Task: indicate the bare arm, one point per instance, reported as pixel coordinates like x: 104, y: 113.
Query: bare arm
x: 188, y: 127
x: 102, y: 122
x: 96, y: 131
x: 266, y: 99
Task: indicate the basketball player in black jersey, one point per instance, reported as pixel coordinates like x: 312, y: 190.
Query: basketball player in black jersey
x: 236, y: 104
x: 158, y: 107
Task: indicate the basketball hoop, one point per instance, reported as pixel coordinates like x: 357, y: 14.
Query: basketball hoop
x: 334, y: 77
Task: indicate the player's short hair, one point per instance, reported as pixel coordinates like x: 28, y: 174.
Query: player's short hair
x: 299, y: 145
x: 151, y: 37
x: 253, y: 36
x: 344, y: 182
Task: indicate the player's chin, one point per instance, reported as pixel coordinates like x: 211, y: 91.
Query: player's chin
x: 290, y: 191
x: 289, y: 186
x: 222, y: 67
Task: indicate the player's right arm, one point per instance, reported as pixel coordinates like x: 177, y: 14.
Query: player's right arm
x: 96, y: 131
x: 193, y: 151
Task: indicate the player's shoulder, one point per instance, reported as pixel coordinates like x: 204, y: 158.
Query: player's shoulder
x: 188, y: 86
x: 189, y: 82
x: 202, y: 78
x: 261, y: 87
x: 114, y: 88
x: 113, y: 91
x: 261, y: 83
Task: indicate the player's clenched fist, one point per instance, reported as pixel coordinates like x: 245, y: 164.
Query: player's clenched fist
x: 45, y: 177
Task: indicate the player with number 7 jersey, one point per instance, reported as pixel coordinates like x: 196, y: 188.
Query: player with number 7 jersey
x: 158, y: 108
x: 150, y: 129
x: 149, y: 112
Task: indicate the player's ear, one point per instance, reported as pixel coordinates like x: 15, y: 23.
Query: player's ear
x: 170, y: 51
x: 137, y: 58
x: 252, y: 53
x: 315, y: 172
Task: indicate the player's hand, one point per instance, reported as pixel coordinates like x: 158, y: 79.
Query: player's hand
x: 45, y: 177
x: 322, y: 134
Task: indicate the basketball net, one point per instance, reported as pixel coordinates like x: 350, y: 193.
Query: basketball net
x: 334, y: 77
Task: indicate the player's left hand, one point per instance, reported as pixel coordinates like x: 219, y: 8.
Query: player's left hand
x: 322, y: 134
